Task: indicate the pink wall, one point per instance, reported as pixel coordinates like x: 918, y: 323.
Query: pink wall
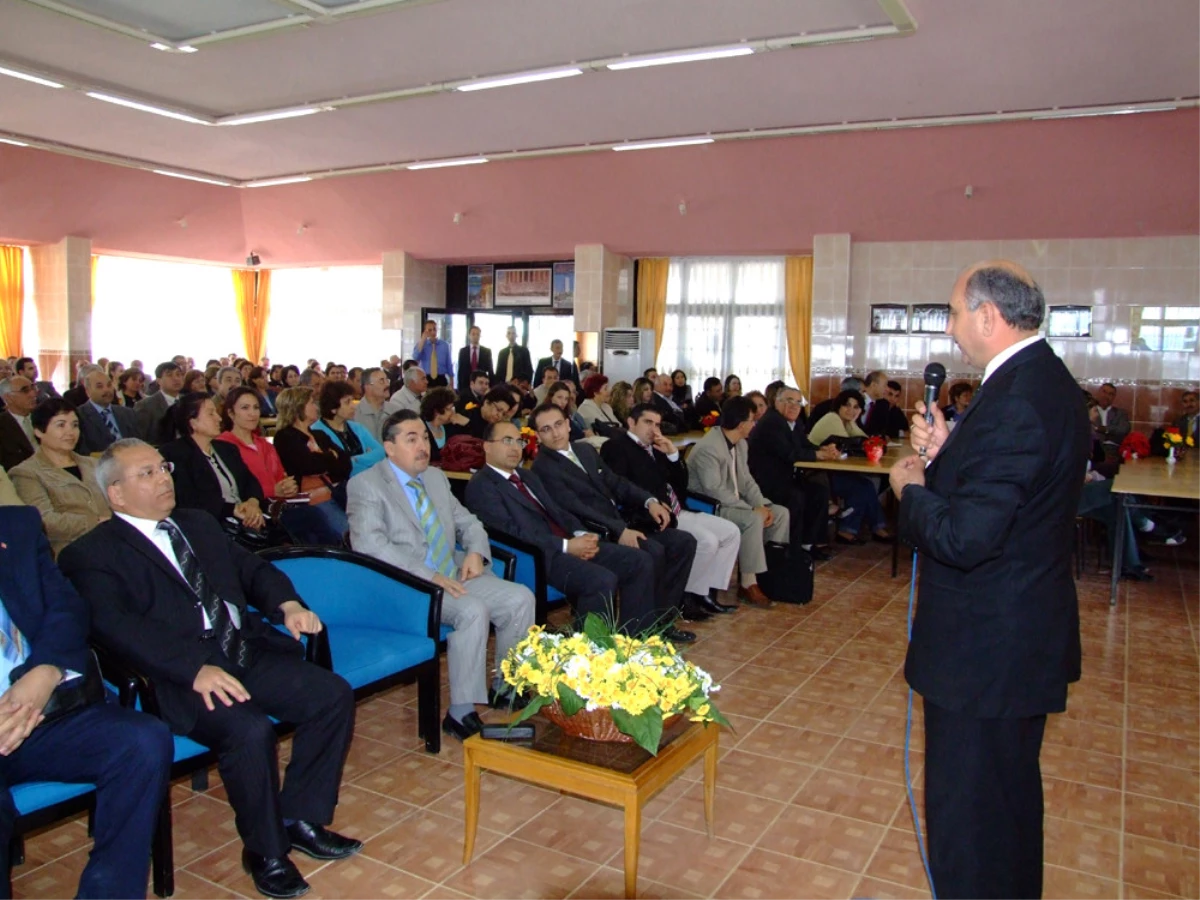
x: 1093, y: 177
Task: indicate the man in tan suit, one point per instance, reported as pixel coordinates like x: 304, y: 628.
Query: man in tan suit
x: 402, y: 512
x: 717, y: 467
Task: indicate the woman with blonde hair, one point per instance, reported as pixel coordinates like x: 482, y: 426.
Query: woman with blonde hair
x: 311, y: 457
x: 621, y: 399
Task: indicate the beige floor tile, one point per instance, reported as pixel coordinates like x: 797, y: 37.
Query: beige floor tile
x: 1161, y: 867
x: 738, y: 817
x: 854, y: 796
x: 514, y: 868
x: 764, y: 874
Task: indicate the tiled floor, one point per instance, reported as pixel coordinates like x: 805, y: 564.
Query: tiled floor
x: 810, y: 799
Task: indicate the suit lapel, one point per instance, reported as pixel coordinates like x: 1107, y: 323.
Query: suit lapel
x: 400, y: 496
x: 143, y: 545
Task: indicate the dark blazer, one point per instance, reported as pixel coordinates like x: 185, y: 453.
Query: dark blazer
x: 196, y: 484
x: 463, y: 370
x: 669, y: 415
x: 996, y: 633
x: 292, y: 446
x: 40, y: 601
x: 878, y: 418
x: 145, y: 612
x: 597, y: 493
x: 702, y: 407
x: 500, y: 505
x: 154, y: 420
x: 774, y: 449
x: 897, y: 422
x: 76, y: 396
x: 45, y: 390
x: 94, y: 435
x: 629, y: 460
x: 14, y: 445
x: 566, y: 369
x: 522, y: 367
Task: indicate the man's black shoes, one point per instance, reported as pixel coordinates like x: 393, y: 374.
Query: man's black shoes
x: 319, y: 842
x: 678, y: 636
x: 274, y: 876
x: 507, y: 699
x: 470, y: 724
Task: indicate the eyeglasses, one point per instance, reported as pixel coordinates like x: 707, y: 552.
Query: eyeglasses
x: 164, y: 468
x: 506, y: 441
x: 789, y: 401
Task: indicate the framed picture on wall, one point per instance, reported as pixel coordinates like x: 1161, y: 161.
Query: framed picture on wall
x: 524, y: 287
x: 930, y: 318
x: 889, y: 318
x: 479, y: 287
x: 564, y: 285
x: 1069, y: 321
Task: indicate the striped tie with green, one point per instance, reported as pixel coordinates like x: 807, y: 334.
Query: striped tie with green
x: 435, y: 535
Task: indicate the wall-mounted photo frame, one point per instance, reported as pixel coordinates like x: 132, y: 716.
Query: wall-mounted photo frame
x: 480, y: 287
x: 524, y: 287
x: 930, y: 318
x: 889, y: 318
x: 1069, y: 321
x: 564, y: 285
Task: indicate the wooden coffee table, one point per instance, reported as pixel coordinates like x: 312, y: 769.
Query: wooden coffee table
x: 622, y: 775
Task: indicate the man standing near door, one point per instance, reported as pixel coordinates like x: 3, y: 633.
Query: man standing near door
x: 433, y: 356
x: 473, y: 358
x: 564, y: 367
x: 513, y: 361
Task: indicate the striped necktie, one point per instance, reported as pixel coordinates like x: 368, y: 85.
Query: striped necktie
x: 435, y: 535
x: 13, y: 650
x: 111, y: 422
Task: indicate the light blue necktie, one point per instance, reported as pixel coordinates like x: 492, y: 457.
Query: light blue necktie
x: 435, y: 535
x: 111, y: 422
x: 13, y: 647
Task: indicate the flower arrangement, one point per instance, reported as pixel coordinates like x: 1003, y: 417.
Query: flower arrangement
x: 710, y: 420
x: 529, y: 436
x: 1173, y: 440
x: 1135, y: 446
x: 874, y: 447
x: 640, y: 681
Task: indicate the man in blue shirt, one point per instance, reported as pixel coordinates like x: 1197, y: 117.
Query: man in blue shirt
x: 433, y: 356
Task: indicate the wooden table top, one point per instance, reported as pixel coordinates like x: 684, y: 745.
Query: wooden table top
x: 896, y: 450
x: 1154, y: 478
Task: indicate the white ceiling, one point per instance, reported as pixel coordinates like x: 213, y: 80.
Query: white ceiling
x: 965, y: 57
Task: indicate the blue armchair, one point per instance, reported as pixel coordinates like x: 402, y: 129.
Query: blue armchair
x: 526, y: 564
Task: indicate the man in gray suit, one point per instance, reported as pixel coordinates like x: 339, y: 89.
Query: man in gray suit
x: 1114, y: 422
x: 151, y: 412
x: 402, y: 512
x: 102, y: 422
x: 717, y: 467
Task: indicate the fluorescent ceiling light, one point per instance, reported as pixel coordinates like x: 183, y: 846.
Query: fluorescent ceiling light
x: 170, y: 48
x: 14, y: 143
x: 507, y: 80
x: 271, y: 182
x: 13, y: 73
x: 190, y: 177
x: 271, y: 116
x: 684, y: 56
x: 145, y: 107
x: 442, y: 164
x: 1086, y: 113
x: 654, y: 145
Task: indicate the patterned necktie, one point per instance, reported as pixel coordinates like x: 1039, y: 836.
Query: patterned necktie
x: 435, y: 535
x: 554, y: 526
x: 111, y: 422
x: 676, y: 509
x: 508, y: 369
x: 226, y: 633
x: 14, y: 648
x: 575, y: 459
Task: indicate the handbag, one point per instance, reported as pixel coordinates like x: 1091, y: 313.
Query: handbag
x: 75, y: 694
x: 317, y: 487
x: 463, y: 453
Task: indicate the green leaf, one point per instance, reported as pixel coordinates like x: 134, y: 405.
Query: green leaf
x: 570, y: 701
x: 532, y: 709
x: 645, y: 729
x: 598, y: 632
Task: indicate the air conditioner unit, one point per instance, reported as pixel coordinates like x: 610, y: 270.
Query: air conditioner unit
x: 628, y: 352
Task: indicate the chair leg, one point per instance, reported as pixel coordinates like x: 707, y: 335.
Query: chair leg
x: 16, y: 854
x: 200, y: 781
x: 162, y: 851
x: 429, y: 706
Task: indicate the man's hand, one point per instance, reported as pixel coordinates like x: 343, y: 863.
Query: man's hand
x: 663, y: 444
x: 659, y: 514
x: 298, y: 620
x: 250, y: 513
x: 472, y: 566
x: 584, y: 546
x: 906, y: 471
x: 449, y: 585
x: 22, y: 704
x: 213, y: 681
x: 630, y: 537
x: 286, y: 487
x: 459, y: 419
x: 925, y: 440
x: 829, y: 453
x: 767, y: 516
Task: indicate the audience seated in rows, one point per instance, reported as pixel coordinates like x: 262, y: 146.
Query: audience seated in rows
x: 876, y: 414
x: 311, y: 457
x: 100, y: 420
x: 681, y: 391
x: 621, y: 399
x: 499, y: 405
x: 437, y: 411
x: 369, y: 412
x: 16, y: 430
x: 562, y: 395
x: 336, y: 405
x: 26, y: 367
x: 596, y: 410
x: 858, y: 492
x: 708, y: 403
x: 416, y: 382
x: 674, y: 418
x: 130, y: 385
x: 153, y: 414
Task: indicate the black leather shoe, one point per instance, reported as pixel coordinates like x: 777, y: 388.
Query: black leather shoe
x: 1141, y: 573
x: 274, y: 877
x: 470, y: 724
x: 319, y: 842
x: 820, y: 554
x: 692, y: 611
x: 507, y: 699
x: 713, y: 607
x: 678, y: 636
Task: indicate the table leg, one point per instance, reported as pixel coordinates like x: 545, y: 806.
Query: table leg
x: 1118, y: 559
x: 710, y: 785
x: 633, y: 837
x: 471, y: 803
x: 893, y: 520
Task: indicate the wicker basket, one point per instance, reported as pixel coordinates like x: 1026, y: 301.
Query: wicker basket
x: 592, y: 725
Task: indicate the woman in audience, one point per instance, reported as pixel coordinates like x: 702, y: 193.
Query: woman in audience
x: 354, y: 379
x: 291, y: 377
x: 772, y: 390
x: 273, y: 382
x: 114, y: 370
x: 258, y: 381
x: 621, y: 398
x: 210, y: 475
x: 596, y: 410
x: 244, y: 367
x: 336, y: 405
x: 58, y: 481
x: 195, y: 382
x: 311, y: 456
x: 562, y: 395
x: 858, y: 492
x: 437, y: 411
x: 733, y: 387
x: 961, y: 393
x: 210, y: 380
x: 305, y: 523
x: 681, y: 391
x: 643, y: 391
x: 129, y: 388
x: 760, y: 404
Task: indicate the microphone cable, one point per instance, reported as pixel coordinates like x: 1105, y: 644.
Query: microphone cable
x: 912, y: 801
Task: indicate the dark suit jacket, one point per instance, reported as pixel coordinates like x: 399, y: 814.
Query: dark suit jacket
x: 42, y: 603
x: 154, y: 420
x: 597, y: 493
x: 94, y: 435
x: 627, y: 459
x: 14, y: 445
x: 774, y: 449
x: 501, y: 506
x: 522, y: 367
x: 566, y: 370
x: 997, y: 626
x: 145, y: 612
x: 878, y: 418
x: 464, y: 370
x: 669, y: 415
x: 76, y: 396
x: 196, y: 484
x: 702, y: 407
x: 897, y: 422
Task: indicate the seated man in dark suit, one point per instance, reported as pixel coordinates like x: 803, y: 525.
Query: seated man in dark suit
x: 514, y: 500
x: 19, y: 397
x: 1189, y: 423
x: 152, y: 412
x: 709, y: 401
x: 590, y: 492
x: 100, y: 420
x: 27, y: 367
x: 877, y: 415
x: 477, y: 388
x: 171, y: 593
x: 897, y: 421
x: 674, y: 420
x: 126, y: 754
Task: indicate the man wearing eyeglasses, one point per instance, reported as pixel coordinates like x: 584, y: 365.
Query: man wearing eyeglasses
x: 170, y: 593
x: 16, y: 431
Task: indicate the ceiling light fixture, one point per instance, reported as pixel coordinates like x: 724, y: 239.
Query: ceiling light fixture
x: 183, y: 222
x: 680, y: 57
x: 654, y: 145
x: 273, y: 182
x: 13, y: 143
x: 25, y: 76
x: 484, y: 84
x: 272, y: 116
x: 445, y: 163
x: 1112, y: 111
x: 171, y: 48
x: 146, y: 107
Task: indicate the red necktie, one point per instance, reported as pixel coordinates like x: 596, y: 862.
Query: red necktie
x: 554, y: 526
x: 474, y: 358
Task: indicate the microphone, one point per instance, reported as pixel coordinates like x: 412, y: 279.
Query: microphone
x: 935, y: 377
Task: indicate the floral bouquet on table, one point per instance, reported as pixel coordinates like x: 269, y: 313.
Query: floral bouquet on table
x: 639, y: 681
x: 874, y: 448
x: 1175, y: 443
x: 529, y: 436
x: 710, y: 420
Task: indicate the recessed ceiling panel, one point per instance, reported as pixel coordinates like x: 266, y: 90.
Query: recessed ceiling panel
x: 180, y: 20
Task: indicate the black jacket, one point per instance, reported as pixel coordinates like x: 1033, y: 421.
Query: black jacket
x: 499, y: 505
x: 14, y: 444
x: 627, y: 458
x: 566, y: 369
x: 196, y: 484
x: 594, y: 492
x: 773, y: 451
x: 462, y: 372
x: 522, y: 367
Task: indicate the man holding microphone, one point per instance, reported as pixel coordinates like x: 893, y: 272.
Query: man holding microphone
x: 995, y: 641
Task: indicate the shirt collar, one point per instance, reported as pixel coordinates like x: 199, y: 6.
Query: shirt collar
x: 1005, y: 355
x: 100, y: 409
x: 147, y: 527
x: 403, y: 477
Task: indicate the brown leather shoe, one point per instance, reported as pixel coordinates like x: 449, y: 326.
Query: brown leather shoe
x: 754, y: 596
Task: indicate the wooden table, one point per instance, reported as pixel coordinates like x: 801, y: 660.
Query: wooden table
x: 622, y: 775
x: 1150, y: 478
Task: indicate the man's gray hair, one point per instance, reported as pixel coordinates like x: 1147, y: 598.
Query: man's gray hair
x: 107, y: 467
x: 85, y: 371
x: 850, y: 383
x: 221, y: 372
x: 1020, y: 301
x: 307, y: 377
x: 411, y: 374
x: 6, y: 386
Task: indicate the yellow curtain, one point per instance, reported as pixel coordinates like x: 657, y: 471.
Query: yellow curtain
x: 252, y: 288
x: 95, y: 263
x: 12, y: 299
x: 652, y: 296
x: 797, y: 298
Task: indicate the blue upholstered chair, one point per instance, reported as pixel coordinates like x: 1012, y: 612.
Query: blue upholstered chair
x: 527, y: 565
